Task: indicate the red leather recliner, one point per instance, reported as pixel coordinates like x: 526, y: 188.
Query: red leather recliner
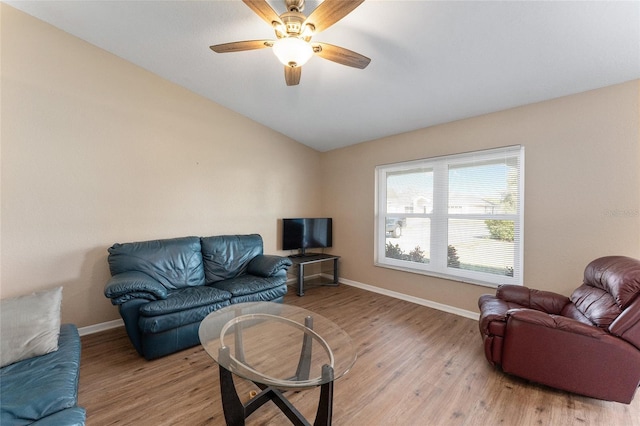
x: 588, y: 344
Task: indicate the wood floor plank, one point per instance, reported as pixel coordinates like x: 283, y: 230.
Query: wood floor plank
x: 415, y: 366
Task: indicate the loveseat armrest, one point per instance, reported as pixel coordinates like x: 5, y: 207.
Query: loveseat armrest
x: 545, y: 301
x: 265, y: 265
x: 133, y: 285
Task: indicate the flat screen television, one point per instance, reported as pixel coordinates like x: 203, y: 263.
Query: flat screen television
x: 306, y: 233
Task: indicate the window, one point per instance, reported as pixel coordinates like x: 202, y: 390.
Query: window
x: 458, y: 217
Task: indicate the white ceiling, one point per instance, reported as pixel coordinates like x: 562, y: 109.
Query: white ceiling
x: 431, y: 61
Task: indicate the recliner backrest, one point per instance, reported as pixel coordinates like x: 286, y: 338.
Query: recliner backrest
x: 617, y: 275
x: 610, y: 285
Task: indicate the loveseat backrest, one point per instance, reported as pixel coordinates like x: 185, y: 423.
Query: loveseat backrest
x: 174, y: 262
x: 227, y: 256
x: 610, y: 285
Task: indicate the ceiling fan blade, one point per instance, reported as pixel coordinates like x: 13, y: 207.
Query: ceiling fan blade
x: 238, y: 46
x: 329, y: 12
x: 264, y: 10
x: 292, y: 75
x: 341, y: 55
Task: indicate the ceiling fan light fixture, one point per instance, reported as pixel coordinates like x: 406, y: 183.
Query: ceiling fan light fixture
x: 292, y: 51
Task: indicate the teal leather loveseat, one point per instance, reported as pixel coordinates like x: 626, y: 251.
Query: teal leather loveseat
x: 165, y: 288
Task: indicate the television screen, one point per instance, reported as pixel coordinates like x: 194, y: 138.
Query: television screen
x: 304, y: 233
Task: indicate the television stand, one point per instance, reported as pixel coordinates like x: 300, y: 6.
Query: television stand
x: 305, y: 254
x: 308, y: 258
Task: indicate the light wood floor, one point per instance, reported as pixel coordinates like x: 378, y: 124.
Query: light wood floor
x: 416, y: 366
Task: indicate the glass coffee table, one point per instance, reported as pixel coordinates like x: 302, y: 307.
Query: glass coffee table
x: 279, y: 348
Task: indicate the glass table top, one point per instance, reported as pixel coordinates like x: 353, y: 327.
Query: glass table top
x: 277, y: 345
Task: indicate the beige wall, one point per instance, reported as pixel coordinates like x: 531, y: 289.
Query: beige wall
x: 96, y: 150
x: 582, y: 189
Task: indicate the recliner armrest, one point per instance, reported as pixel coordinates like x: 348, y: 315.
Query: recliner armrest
x: 133, y: 285
x: 570, y: 325
x: 268, y: 265
x: 567, y: 354
x: 545, y: 301
x: 627, y: 325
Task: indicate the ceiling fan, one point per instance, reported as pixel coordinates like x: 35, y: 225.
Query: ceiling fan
x: 293, y: 45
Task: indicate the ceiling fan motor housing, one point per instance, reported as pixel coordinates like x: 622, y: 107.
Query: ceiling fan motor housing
x: 293, y: 23
x: 295, y: 5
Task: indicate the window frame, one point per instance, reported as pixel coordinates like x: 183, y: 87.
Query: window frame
x: 440, y: 215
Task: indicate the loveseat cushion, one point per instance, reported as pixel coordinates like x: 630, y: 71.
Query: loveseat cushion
x: 43, y: 385
x: 247, y: 285
x: 174, y: 262
x: 186, y: 298
x: 228, y: 256
x: 160, y: 323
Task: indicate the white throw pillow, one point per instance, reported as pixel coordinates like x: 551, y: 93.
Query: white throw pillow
x: 29, y: 325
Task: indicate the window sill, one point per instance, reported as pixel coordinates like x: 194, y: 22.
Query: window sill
x: 466, y: 280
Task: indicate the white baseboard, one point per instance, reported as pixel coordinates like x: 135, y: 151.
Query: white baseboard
x: 412, y: 299
x: 397, y: 295
x: 96, y: 328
